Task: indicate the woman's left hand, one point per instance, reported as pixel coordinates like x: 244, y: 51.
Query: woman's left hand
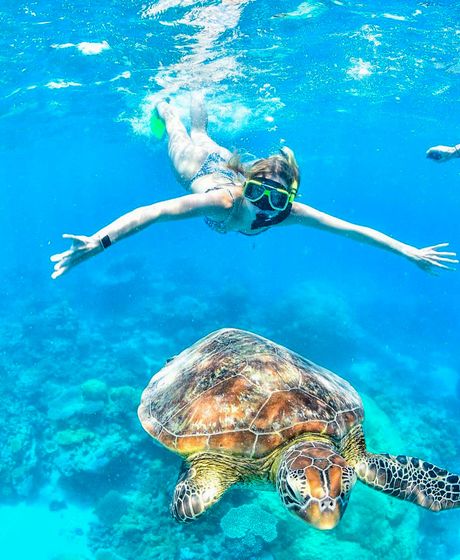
x: 430, y: 258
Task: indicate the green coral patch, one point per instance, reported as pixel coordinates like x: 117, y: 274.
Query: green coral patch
x: 68, y: 438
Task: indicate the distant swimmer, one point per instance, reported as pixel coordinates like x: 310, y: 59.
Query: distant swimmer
x: 232, y: 197
x: 443, y: 153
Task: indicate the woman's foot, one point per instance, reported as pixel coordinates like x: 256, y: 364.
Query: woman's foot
x: 164, y: 110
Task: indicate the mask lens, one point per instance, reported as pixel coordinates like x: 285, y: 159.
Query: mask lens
x: 278, y: 199
x: 253, y: 191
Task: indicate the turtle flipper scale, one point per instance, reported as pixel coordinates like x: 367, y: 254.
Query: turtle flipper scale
x: 411, y: 479
x: 201, y: 484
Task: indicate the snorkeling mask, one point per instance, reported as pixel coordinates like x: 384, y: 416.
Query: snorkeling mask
x: 267, y: 191
x: 271, y: 197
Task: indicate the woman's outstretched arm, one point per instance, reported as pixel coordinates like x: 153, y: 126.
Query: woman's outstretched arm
x: 427, y: 258
x: 214, y: 204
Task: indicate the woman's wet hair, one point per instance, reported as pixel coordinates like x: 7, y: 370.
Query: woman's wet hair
x: 281, y: 165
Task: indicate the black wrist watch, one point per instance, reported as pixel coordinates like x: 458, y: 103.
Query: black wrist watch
x: 105, y: 241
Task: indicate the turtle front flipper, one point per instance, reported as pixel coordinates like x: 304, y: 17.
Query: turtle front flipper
x: 404, y: 477
x: 201, y: 484
x: 411, y: 479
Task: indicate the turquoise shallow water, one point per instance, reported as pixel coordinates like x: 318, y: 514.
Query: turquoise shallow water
x: 360, y: 92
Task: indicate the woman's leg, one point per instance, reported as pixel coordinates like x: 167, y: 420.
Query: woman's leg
x: 199, y: 128
x: 186, y: 157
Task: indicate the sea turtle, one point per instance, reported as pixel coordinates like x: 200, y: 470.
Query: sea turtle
x: 239, y: 407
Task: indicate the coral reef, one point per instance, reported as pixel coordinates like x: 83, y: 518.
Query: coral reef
x: 249, y: 519
x: 248, y: 527
x: 71, y: 435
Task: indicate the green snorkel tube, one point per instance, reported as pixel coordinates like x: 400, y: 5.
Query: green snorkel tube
x: 294, y: 186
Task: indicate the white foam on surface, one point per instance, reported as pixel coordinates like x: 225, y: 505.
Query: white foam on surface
x: 93, y: 48
x: 305, y: 10
x: 84, y: 47
x: 123, y: 76
x: 359, y: 69
x: 372, y: 34
x: 206, y: 61
x: 62, y: 45
x: 59, y: 84
x: 224, y: 113
x: 394, y: 16
x: 162, y: 6
x: 207, y: 65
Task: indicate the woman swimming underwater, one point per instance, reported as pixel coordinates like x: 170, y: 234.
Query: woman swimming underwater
x: 230, y: 196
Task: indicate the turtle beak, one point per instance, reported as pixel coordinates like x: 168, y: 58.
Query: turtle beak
x: 323, y: 514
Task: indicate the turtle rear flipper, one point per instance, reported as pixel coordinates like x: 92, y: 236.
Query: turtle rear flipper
x: 404, y: 477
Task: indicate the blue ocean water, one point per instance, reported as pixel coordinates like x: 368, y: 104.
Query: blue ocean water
x: 360, y: 90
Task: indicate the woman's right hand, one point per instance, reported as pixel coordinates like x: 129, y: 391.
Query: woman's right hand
x: 82, y: 248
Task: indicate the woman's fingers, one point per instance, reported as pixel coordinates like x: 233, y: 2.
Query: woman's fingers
x: 445, y: 267
x: 443, y: 259
x: 60, y: 256
x: 59, y: 268
x: 60, y: 264
x: 78, y: 241
x: 435, y: 262
x: 72, y: 236
x: 58, y: 273
x: 436, y: 246
x: 435, y: 257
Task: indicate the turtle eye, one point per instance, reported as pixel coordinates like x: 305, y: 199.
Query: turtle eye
x: 287, y: 489
x: 293, y: 488
x: 348, y: 480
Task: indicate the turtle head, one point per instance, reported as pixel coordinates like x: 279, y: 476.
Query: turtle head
x: 314, y: 482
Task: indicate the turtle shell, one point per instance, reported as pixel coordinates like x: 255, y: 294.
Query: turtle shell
x: 237, y: 393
